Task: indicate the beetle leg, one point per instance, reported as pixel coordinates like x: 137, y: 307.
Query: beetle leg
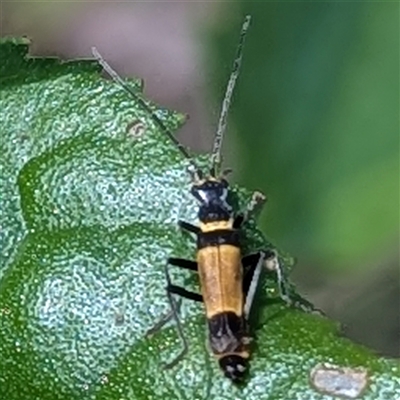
x: 272, y: 264
x: 189, y: 227
x: 183, y: 263
x: 257, y: 200
x: 252, y: 264
x: 172, y: 289
x: 174, y: 306
x: 163, y: 320
x: 180, y: 291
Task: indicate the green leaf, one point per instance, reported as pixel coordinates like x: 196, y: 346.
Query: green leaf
x: 92, y: 192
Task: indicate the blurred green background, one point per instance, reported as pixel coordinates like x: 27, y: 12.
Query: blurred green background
x: 314, y: 123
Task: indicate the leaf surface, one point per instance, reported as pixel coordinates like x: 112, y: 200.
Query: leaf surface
x: 89, y: 216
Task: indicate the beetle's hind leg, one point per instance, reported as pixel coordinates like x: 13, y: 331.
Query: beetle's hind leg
x: 272, y: 264
x: 252, y: 266
x: 174, y: 306
x: 182, y: 263
x: 178, y: 262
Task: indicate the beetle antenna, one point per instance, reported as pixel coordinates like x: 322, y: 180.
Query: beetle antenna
x: 114, y: 75
x: 216, y: 152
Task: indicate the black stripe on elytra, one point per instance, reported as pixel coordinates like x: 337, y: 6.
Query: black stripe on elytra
x: 217, y: 238
x: 226, y: 331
